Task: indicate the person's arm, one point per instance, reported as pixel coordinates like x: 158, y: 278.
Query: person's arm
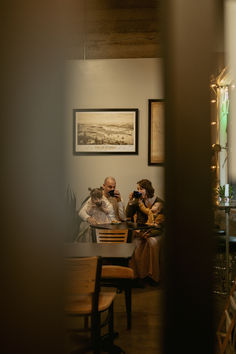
x: 157, y: 207
x: 108, y: 206
x: 121, y: 210
x: 131, y: 207
x: 120, y: 205
x: 85, y: 216
x: 146, y: 211
x: 159, y: 217
x: 83, y: 211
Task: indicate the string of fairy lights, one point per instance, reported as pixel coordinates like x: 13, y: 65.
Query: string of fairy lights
x: 221, y: 105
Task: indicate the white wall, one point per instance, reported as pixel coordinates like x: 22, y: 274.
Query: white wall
x: 113, y: 83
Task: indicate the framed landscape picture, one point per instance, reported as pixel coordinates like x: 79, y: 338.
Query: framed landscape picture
x: 156, y: 116
x: 105, y: 131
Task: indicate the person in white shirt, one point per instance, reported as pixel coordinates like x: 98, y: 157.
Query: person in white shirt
x: 99, y: 208
x: 112, y: 197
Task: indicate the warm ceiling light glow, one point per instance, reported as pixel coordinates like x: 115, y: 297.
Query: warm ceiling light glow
x: 213, y: 101
x: 233, y: 86
x: 213, y: 123
x: 213, y: 167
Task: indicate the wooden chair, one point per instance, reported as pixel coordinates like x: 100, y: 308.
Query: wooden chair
x: 226, y: 332
x: 111, y: 236
x: 116, y: 275
x: 83, y: 297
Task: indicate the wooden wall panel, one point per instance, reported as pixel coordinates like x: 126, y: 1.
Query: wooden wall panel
x: 114, y: 29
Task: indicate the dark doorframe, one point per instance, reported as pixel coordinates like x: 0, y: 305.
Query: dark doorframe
x: 188, y: 40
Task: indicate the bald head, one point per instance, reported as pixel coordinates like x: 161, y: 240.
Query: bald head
x: 109, y: 179
x: 109, y: 185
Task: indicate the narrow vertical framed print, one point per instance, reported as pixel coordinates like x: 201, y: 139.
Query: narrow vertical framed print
x: 156, y: 116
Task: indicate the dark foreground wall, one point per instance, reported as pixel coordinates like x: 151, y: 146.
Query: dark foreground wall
x: 188, y: 45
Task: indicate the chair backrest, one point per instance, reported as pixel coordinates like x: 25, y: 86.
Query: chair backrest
x: 226, y: 329
x: 111, y: 236
x: 82, y: 276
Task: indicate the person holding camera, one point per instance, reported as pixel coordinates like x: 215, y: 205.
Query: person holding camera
x: 113, y: 196
x: 113, y: 199
x: 144, y: 207
x: 143, y: 203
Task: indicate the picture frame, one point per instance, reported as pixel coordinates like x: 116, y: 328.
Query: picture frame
x: 156, y: 116
x: 105, y: 131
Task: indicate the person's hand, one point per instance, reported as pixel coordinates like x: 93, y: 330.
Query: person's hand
x: 117, y: 195
x: 131, y: 196
x: 140, y: 202
x: 91, y: 220
x: 144, y: 235
x: 157, y: 207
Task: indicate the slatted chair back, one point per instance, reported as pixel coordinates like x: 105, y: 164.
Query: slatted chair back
x: 82, y: 276
x: 111, y: 236
x: 116, y: 275
x: 84, y: 298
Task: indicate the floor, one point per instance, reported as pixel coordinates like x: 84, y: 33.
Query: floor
x: 146, y: 333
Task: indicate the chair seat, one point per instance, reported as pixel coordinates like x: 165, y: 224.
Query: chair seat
x: 115, y: 271
x: 82, y: 305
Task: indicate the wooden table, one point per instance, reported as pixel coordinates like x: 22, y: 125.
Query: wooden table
x: 125, y: 225
x: 117, y: 252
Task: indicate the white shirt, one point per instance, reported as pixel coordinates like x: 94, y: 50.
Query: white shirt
x: 117, y: 209
x: 103, y: 214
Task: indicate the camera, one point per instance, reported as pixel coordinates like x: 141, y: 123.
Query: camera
x: 112, y: 193
x: 137, y: 194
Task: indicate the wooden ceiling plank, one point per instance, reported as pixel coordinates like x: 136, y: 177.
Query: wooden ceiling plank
x: 125, y: 4
x: 112, y: 52
x: 121, y: 26
x: 122, y: 14
x: 118, y: 37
